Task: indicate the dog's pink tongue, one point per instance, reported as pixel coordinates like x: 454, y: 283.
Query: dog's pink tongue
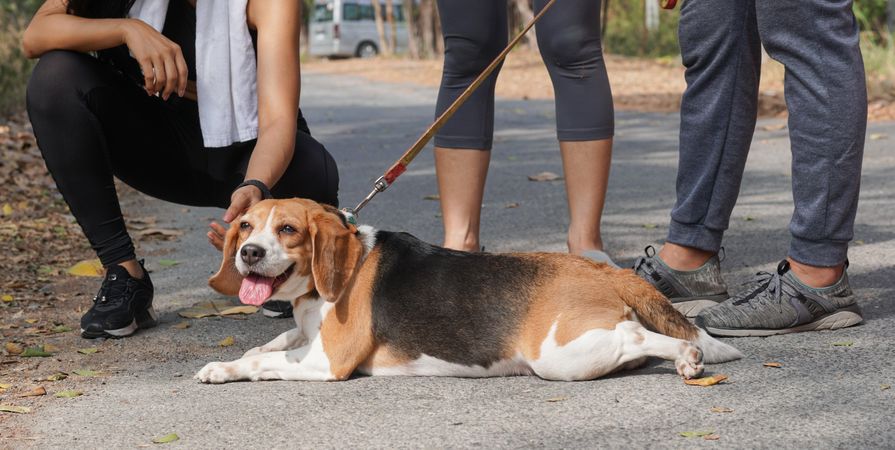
x: 255, y: 289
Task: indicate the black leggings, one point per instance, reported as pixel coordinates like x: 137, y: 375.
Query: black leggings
x: 92, y: 123
x: 475, y: 31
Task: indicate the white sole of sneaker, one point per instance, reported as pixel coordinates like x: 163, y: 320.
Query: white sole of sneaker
x: 692, y: 308
x: 121, y: 332
x: 845, y: 317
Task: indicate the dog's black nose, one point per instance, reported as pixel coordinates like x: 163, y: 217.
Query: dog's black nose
x: 251, y: 254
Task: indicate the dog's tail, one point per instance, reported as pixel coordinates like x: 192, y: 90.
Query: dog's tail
x: 655, y: 312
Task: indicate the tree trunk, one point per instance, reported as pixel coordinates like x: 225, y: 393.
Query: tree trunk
x: 393, y: 28
x: 525, y: 14
x: 427, y: 30
x: 439, y: 42
x: 413, y: 48
x: 380, y: 28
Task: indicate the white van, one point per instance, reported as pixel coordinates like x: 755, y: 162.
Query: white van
x: 348, y: 28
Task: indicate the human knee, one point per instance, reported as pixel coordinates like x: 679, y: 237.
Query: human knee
x: 469, y: 55
x: 53, y: 78
x: 577, y: 47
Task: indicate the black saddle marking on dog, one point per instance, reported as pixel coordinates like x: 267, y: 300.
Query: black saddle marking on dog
x: 455, y: 306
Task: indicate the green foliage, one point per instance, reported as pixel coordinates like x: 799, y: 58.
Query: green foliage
x: 626, y: 33
x: 14, y: 67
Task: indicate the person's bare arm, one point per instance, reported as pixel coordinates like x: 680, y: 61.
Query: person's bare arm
x: 279, y: 82
x: 160, y: 59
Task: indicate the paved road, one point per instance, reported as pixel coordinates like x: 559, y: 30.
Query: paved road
x: 824, y: 396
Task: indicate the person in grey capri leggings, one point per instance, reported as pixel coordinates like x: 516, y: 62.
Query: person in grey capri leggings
x: 568, y: 35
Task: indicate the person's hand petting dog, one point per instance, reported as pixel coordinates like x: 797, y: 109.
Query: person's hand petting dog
x: 240, y: 201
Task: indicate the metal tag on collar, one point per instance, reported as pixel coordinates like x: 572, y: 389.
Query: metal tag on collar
x: 350, y: 217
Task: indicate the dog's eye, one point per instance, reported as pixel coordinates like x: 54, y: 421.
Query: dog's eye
x: 244, y: 226
x: 287, y: 229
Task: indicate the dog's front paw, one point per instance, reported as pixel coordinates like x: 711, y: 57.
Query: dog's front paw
x: 216, y: 373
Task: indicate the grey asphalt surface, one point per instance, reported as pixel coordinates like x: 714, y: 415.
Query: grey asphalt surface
x: 824, y: 396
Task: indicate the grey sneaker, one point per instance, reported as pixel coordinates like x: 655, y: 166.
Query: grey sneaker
x: 689, y: 291
x: 779, y: 303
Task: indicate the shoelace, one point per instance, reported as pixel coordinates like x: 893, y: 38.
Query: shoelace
x: 112, y: 289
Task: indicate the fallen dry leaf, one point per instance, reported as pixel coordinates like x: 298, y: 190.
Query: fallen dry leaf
x: 14, y: 349
x: 15, y: 409
x: 58, y: 376
x: 773, y: 364
x: 721, y: 409
x: 86, y: 373
x: 693, y: 434
x: 544, y: 176
x: 432, y: 197
x: 227, y: 341
x: 843, y: 344
x: 4, y: 387
x: 244, y: 309
x: 6, y: 298
x: 87, y: 268
x: 61, y: 329
x: 7, y: 209
x: 885, y: 387
x: 32, y: 321
x: 51, y: 348
x: 36, y: 392
x: 32, y: 352
x: 166, y: 438
x: 163, y: 233
x: 181, y: 325
x: 88, y: 350
x: 556, y: 399
x: 706, y: 381
x: 216, y: 308
x: 68, y: 394
x: 511, y: 205
x: 711, y: 437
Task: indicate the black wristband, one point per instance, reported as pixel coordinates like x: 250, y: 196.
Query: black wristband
x: 265, y: 192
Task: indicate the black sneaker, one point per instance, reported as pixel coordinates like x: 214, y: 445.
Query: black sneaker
x: 122, y: 305
x: 689, y: 291
x: 277, y: 309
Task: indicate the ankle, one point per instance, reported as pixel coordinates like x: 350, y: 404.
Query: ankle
x: 133, y: 268
x: 679, y: 257
x: 578, y: 245
x: 463, y: 242
x: 814, y: 276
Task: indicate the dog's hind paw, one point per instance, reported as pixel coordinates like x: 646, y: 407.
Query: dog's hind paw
x: 216, y: 373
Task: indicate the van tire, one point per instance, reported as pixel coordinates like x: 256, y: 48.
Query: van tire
x: 366, y: 49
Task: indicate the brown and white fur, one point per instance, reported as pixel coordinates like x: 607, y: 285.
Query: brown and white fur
x: 384, y: 303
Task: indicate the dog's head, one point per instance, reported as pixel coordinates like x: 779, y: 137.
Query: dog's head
x: 284, y: 249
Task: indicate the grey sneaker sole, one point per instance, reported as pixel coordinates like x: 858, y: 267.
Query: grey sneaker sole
x: 844, y: 317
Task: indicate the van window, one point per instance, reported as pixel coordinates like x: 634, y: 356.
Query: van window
x: 323, y: 13
x: 398, y: 13
x: 354, y: 11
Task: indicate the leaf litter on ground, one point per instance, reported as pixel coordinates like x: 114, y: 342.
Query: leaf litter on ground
x: 227, y: 341
x: 168, y: 262
x: 706, y: 381
x: 544, y: 176
x: 58, y: 376
x: 36, y: 392
x: 693, y: 434
x: 843, y: 344
x: 13, y: 348
x: 721, y: 409
x: 168, y: 438
x: 68, y: 394
x: 88, y: 350
x: 38, y: 352
x: 181, y: 325
x: 15, y: 409
x: 87, y: 373
x: 87, y: 268
x: 216, y: 308
x: 775, y: 365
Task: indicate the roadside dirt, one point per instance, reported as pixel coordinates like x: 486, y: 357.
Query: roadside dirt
x: 637, y: 84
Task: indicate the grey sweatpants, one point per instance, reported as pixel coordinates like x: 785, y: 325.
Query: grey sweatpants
x: 817, y: 42
x: 475, y: 32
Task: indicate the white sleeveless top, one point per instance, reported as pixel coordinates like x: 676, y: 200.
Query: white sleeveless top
x: 226, y: 72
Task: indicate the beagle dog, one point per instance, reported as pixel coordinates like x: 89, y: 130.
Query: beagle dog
x: 386, y: 303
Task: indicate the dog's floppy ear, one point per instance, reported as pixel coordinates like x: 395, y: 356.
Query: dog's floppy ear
x: 336, y: 255
x: 228, y: 279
